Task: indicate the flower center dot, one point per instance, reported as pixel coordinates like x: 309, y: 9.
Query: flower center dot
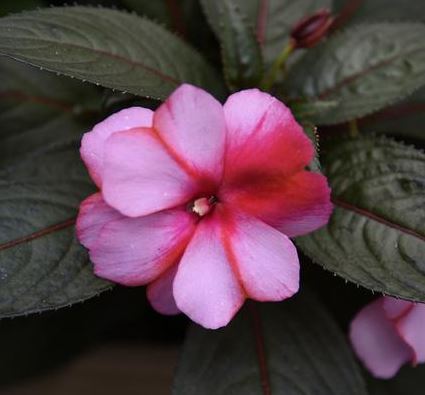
x: 203, y: 205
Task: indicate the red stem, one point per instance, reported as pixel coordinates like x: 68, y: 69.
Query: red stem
x: 177, y: 18
x: 346, y: 13
x: 57, y: 104
x: 260, y: 348
x: 262, y: 21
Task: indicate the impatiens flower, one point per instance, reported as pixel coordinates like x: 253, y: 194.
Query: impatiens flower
x: 388, y: 333
x: 198, y: 200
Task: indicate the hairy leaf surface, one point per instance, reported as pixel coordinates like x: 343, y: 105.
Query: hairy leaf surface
x: 376, y: 235
x: 364, y: 69
x: 107, y: 47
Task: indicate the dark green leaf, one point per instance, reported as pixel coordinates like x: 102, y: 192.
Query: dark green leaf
x: 364, y: 69
x: 404, y: 119
x: 240, y: 48
x: 376, y: 235
x: 307, y: 110
x: 42, y: 181
x: 385, y: 10
x: 304, y: 353
x: 42, y: 265
x: 186, y: 18
x: 120, y: 51
x: 215, y: 12
x: 38, y: 108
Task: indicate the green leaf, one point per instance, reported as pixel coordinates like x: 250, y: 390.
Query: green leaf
x: 42, y: 181
x: 306, y: 110
x: 279, y: 18
x: 293, y: 348
x: 215, y: 11
x: 38, y: 108
x: 364, y: 69
x: 120, y: 50
x: 42, y: 265
x: 385, y: 10
x: 240, y: 49
x: 376, y: 235
x: 404, y: 119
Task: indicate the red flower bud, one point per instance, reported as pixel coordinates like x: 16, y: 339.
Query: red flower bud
x: 310, y: 30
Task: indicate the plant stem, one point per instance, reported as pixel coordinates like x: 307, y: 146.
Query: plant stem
x: 279, y: 64
x: 354, y: 128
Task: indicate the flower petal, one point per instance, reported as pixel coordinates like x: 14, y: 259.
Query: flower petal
x: 205, y: 287
x: 377, y: 343
x: 160, y: 292
x: 263, y: 138
x: 395, y: 308
x: 93, y: 215
x: 191, y: 123
x: 293, y: 205
x: 266, y: 260
x: 412, y: 329
x: 135, y: 251
x: 92, y: 144
x: 140, y: 177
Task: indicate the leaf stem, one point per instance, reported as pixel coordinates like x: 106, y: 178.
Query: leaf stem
x: 278, y: 65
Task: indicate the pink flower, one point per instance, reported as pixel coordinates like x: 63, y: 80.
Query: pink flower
x: 198, y: 200
x: 388, y: 333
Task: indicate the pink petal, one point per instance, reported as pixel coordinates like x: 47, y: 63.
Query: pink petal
x: 160, y: 293
x: 94, y: 214
x: 304, y: 207
x: 135, y: 251
x: 140, y: 177
x: 266, y: 260
x: 263, y: 138
x: 395, y: 308
x: 293, y: 205
x: 412, y: 328
x: 377, y: 343
x: 205, y: 287
x: 191, y: 124
x: 92, y: 144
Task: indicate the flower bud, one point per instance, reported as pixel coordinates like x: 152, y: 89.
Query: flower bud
x: 310, y: 30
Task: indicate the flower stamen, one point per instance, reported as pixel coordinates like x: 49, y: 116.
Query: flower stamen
x: 203, y: 205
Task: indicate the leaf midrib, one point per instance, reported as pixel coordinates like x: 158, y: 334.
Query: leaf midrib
x: 123, y: 59
x: 366, y: 213
x: 38, y: 234
x: 354, y: 77
x: 56, y: 104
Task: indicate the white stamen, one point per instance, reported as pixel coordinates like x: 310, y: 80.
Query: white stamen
x: 201, y: 206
